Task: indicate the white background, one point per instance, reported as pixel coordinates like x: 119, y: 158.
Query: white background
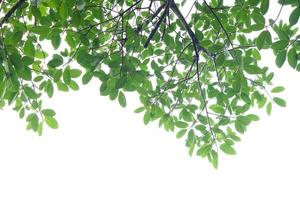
x: 102, y: 151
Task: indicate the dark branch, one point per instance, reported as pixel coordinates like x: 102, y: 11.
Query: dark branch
x: 195, y: 41
x: 161, y: 19
x: 11, y: 12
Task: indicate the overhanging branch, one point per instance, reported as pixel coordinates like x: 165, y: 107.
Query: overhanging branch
x: 194, y: 39
x: 11, y: 12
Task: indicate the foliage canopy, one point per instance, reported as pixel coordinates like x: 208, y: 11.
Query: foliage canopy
x: 194, y: 64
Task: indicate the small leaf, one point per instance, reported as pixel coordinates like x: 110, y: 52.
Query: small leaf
x: 279, y: 45
x: 75, y: 73
x: 62, y: 87
x: 181, y: 124
x: 56, y: 61
x: 67, y: 75
x: 204, y: 150
x: 256, y: 54
x: 264, y: 6
x: 253, y: 117
x: 30, y: 93
x: 292, y: 57
x: 226, y: 148
x: 294, y: 17
x: 55, y: 40
x: 139, y: 110
x: 16, y: 60
x: 214, y: 159
x: 239, y: 126
x: 252, y: 69
x: 51, y: 122
x: 17, y: 37
x: 49, y: 89
x: 263, y: 38
x: 181, y: 133
x: 122, y: 99
x: 279, y: 101
x: 33, y: 121
x: 74, y: 86
x: 217, y: 108
x: 63, y: 11
x: 48, y: 112
x: 29, y: 49
x: 269, y: 108
x: 280, y: 58
x: 87, y: 77
x: 277, y: 89
x: 147, y: 117
x: 40, y: 129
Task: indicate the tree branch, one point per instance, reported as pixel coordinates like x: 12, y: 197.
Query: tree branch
x: 195, y: 41
x: 161, y: 19
x: 11, y: 12
x: 139, y: 28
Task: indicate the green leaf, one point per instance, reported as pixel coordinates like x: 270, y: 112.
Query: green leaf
x: 67, y: 75
x: 74, y: 86
x: 49, y: 89
x: 217, y: 108
x: 56, y: 61
x: 263, y: 38
x: 139, y: 110
x: 3, y: 87
x: 252, y: 69
x: 36, y: 12
x: 75, y: 73
x: 277, y: 89
x: 279, y: 101
x: 256, y: 54
x: 280, y: 58
x: 294, y: 17
x: 29, y: 49
x: 264, y: 6
x: 147, y: 117
x: 280, y: 45
x: 16, y: 61
x: 40, y: 30
x: 253, y: 2
x: 30, y: 93
x: 48, y: 112
x: 63, y: 10
x: 214, y: 159
x: 40, y: 129
x: 62, y: 87
x: 87, y: 77
x: 228, y: 149
x: 55, y: 40
x: 22, y: 113
x: 269, y: 108
x: 204, y: 150
x: 122, y: 99
x: 76, y: 18
x: 239, y: 126
x: 259, y: 19
x: 181, y: 133
x: 25, y: 73
x: 292, y: 57
x: 33, y: 121
x: 51, y: 122
x: 181, y: 124
x: 253, y: 117
x: 17, y: 37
